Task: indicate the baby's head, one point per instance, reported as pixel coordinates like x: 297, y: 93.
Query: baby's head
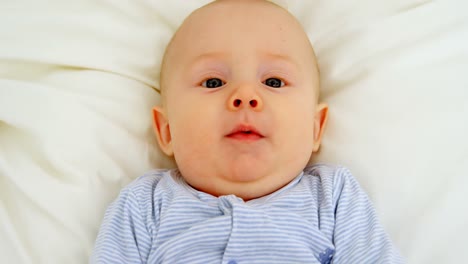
x: 240, y: 111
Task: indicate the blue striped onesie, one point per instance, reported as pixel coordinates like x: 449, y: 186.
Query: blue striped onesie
x: 322, y: 216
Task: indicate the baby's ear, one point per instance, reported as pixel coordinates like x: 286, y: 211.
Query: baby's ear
x: 320, y: 121
x: 162, y: 130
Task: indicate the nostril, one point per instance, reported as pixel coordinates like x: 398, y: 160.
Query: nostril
x: 237, y: 102
x: 253, y: 103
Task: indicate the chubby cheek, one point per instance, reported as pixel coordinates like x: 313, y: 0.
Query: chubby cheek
x: 192, y: 135
x: 297, y: 132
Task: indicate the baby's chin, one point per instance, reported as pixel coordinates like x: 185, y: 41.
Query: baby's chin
x: 247, y: 181
x: 246, y: 172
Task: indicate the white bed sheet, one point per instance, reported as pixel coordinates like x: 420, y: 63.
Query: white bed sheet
x: 77, y: 82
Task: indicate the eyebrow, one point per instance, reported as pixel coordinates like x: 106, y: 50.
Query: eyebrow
x: 208, y: 56
x: 283, y: 58
x: 264, y: 56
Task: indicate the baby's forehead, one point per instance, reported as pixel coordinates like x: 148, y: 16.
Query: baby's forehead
x: 208, y: 26
x: 235, y: 12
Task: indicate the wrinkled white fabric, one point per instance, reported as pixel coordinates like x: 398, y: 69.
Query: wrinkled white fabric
x: 78, y: 79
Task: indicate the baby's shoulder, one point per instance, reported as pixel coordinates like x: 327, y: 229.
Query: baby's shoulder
x: 145, y: 185
x: 150, y: 178
x: 328, y: 172
x: 332, y: 179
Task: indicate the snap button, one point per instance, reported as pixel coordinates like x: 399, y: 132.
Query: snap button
x: 326, y: 256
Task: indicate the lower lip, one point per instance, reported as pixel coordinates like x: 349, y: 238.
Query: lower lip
x: 245, y: 136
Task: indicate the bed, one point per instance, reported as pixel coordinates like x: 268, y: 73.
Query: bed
x: 78, y: 80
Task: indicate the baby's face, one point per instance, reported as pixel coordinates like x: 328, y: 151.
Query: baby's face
x: 240, y: 110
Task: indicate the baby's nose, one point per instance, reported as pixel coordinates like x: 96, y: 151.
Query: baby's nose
x: 244, y: 98
x: 253, y: 103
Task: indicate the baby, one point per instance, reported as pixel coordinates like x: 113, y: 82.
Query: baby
x: 240, y: 115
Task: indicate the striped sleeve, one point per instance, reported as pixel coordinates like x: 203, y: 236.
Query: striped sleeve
x: 123, y: 236
x: 358, y: 236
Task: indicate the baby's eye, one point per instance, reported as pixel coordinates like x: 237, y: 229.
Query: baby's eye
x: 212, y: 83
x: 274, y: 82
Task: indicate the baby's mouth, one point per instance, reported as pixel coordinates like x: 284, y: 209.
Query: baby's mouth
x: 245, y: 133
